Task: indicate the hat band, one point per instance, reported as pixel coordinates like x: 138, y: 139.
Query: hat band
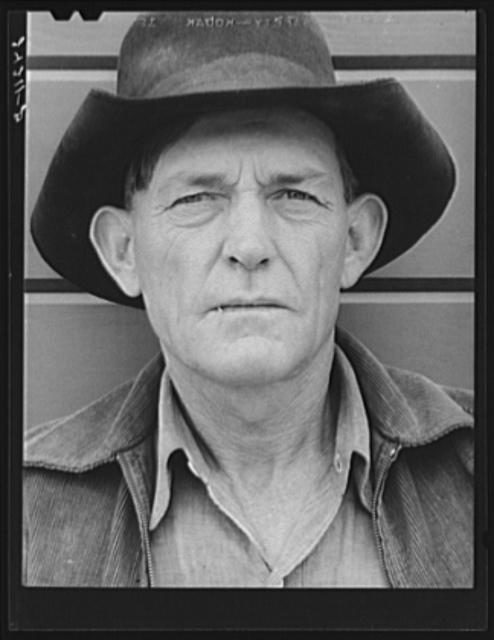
x: 234, y: 73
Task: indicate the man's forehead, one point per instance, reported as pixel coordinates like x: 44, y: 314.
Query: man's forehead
x: 270, y: 129
x: 309, y: 144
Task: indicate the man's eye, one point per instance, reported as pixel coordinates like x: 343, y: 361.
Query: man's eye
x: 193, y: 198
x: 295, y: 194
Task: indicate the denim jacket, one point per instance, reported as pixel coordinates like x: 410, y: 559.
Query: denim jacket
x: 88, y: 482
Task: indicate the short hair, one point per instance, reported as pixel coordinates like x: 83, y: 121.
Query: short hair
x: 141, y: 169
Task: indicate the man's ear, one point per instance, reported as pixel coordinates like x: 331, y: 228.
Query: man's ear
x: 368, y: 216
x: 112, y: 235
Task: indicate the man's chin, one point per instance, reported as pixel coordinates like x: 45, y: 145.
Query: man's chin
x: 252, y: 362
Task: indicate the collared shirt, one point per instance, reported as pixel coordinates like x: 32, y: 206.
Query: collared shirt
x: 89, y: 482
x: 199, y: 537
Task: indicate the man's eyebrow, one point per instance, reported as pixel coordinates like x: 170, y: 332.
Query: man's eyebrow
x: 205, y: 180
x: 296, y: 178
x: 215, y: 180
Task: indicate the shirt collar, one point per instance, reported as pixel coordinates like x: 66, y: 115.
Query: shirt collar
x: 352, y: 431
x: 173, y: 434
x: 352, y: 435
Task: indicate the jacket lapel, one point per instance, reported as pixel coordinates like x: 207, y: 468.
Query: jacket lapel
x: 423, y: 495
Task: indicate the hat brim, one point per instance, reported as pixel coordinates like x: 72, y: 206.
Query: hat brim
x: 392, y: 148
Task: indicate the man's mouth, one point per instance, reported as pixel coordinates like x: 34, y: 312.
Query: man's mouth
x: 247, y: 307
x: 260, y: 304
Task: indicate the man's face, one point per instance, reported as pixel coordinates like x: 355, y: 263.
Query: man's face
x: 239, y: 245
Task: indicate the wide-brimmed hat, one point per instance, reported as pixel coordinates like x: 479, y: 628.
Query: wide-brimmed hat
x: 185, y: 64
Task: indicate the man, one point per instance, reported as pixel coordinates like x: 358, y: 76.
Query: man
x: 232, y: 188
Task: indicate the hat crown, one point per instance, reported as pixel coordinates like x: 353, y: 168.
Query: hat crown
x: 177, y: 53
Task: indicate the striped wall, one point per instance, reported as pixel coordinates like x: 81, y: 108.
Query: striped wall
x: 416, y: 312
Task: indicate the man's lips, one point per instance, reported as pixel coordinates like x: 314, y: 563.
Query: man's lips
x: 258, y: 304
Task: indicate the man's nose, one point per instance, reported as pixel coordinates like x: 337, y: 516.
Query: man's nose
x: 249, y: 241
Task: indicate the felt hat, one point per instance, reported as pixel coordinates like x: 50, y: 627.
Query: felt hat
x: 189, y: 63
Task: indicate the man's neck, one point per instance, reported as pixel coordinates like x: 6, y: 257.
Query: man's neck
x: 258, y: 435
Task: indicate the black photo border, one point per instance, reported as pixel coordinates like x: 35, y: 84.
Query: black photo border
x: 143, y: 610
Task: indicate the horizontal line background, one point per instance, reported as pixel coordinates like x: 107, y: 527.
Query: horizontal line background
x: 390, y: 297
x: 340, y: 62
x: 377, y: 285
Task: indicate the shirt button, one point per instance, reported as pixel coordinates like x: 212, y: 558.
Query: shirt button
x: 338, y: 465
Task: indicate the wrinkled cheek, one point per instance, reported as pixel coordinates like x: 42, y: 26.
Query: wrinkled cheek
x: 329, y: 276
x: 159, y: 292
x: 327, y: 273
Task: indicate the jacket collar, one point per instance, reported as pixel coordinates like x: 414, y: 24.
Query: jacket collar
x: 404, y: 407
x: 96, y: 434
